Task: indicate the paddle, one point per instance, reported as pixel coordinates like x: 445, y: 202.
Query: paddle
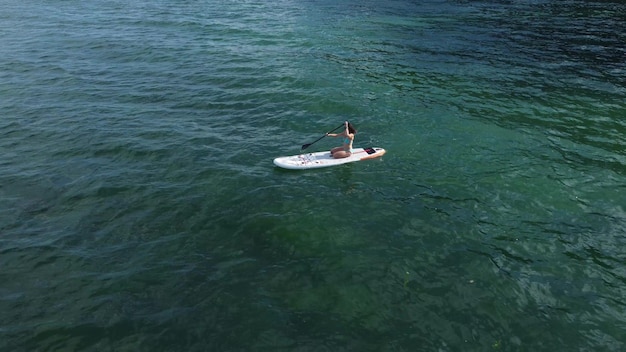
x: 304, y: 146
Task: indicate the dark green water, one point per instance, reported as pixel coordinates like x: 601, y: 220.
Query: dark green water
x: 140, y: 209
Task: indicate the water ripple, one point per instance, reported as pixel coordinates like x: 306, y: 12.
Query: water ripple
x: 139, y: 208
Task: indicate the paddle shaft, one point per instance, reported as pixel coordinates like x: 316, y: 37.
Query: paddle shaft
x: 333, y: 130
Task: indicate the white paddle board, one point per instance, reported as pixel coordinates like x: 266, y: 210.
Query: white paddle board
x: 324, y: 159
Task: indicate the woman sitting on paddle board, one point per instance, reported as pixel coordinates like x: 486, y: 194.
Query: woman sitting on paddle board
x: 348, y: 137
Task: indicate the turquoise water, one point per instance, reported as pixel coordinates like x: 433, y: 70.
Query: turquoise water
x: 140, y: 209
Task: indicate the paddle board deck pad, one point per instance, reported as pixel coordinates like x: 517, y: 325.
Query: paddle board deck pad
x: 324, y: 159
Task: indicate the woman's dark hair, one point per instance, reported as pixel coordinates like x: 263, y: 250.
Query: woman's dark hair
x: 351, y: 128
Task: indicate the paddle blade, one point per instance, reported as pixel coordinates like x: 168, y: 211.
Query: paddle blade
x: 304, y: 146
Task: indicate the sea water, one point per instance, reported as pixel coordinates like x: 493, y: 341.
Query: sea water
x: 140, y: 209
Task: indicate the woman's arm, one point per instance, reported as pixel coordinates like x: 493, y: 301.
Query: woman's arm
x: 345, y: 133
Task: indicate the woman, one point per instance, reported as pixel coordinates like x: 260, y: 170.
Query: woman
x: 348, y: 137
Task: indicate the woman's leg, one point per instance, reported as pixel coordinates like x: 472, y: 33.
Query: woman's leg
x: 336, y: 149
x: 341, y: 154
